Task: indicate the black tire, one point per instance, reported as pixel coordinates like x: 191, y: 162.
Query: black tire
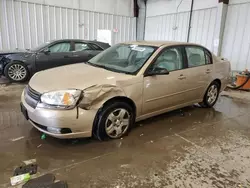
x: 100, y: 127
x: 205, y: 103
x: 24, y: 71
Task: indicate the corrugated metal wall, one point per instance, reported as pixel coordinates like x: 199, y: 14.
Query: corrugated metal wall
x: 26, y: 25
x: 167, y: 27
x: 174, y: 27
x: 236, y: 40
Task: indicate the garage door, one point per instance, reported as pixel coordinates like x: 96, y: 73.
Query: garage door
x: 236, y: 40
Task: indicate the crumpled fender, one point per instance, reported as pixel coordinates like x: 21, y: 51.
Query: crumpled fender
x: 95, y: 96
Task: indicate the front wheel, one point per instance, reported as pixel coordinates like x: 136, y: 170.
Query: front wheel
x: 115, y: 120
x: 211, y: 95
x: 16, y: 71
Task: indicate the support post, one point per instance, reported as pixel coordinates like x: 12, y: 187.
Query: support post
x: 220, y: 25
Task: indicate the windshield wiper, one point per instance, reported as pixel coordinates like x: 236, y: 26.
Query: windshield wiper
x: 105, y: 67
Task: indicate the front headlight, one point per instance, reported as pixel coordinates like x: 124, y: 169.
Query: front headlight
x: 60, y: 99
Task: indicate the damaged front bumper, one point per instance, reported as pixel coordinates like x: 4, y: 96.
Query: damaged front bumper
x: 74, y: 123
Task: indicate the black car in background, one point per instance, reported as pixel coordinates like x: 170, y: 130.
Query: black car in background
x: 19, y: 65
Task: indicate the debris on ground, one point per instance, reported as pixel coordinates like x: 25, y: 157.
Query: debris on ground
x: 125, y: 165
x: 121, y: 138
x: 16, y: 139
x: 182, y: 113
x: 31, y: 169
x: 151, y: 141
x: 141, y: 134
x: 43, y: 137
x: 39, y: 146
x: 23, y: 176
x: 75, y: 141
x: 28, y: 162
x: 15, y: 180
x: 45, y: 180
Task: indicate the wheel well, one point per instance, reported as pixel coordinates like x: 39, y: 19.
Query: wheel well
x: 112, y: 100
x: 122, y: 99
x: 218, y: 81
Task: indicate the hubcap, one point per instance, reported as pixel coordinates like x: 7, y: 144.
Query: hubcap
x: 117, y: 123
x: 17, y: 72
x: 212, y: 94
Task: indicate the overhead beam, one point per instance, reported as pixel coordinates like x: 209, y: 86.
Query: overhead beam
x: 224, y: 1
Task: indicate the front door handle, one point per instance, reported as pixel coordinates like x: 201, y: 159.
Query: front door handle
x: 182, y: 77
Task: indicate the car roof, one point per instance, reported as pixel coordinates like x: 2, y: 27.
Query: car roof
x: 160, y: 43
x: 77, y: 40
x: 103, y: 45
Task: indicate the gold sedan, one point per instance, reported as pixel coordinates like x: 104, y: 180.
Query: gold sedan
x: 126, y: 83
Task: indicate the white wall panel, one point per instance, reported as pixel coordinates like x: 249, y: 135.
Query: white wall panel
x: 236, y: 40
x: 238, y: 1
x: 203, y: 27
x: 160, y: 7
x: 117, y: 7
x: 26, y: 25
x: 174, y: 27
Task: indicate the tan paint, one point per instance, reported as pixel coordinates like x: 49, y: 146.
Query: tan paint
x: 152, y: 95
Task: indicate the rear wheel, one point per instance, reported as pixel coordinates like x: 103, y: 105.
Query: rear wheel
x: 115, y: 121
x: 211, y: 95
x: 16, y: 71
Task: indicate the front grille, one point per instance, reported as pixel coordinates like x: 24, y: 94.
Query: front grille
x: 33, y: 94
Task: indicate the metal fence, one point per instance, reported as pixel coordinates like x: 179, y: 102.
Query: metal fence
x: 26, y: 25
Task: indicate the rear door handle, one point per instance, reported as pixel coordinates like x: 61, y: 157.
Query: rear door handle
x: 208, y: 71
x: 182, y: 77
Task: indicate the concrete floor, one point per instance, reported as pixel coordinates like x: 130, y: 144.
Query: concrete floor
x: 200, y: 148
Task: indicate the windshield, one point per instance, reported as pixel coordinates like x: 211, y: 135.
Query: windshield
x: 39, y: 47
x: 125, y: 58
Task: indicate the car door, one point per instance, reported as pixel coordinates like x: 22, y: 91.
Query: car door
x: 199, y: 70
x: 83, y: 52
x: 168, y: 90
x: 56, y: 54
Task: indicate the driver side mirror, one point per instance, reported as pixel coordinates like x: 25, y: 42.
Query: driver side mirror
x: 46, y: 51
x: 157, y: 71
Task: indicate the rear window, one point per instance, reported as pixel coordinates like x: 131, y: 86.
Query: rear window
x: 196, y: 56
x: 94, y: 46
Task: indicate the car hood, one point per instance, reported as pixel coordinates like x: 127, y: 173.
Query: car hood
x: 17, y: 51
x: 77, y: 76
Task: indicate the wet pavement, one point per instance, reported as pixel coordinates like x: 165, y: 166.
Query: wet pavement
x: 194, y: 147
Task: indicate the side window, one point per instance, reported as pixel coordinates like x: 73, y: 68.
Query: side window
x: 60, y: 47
x: 196, y: 56
x: 170, y: 59
x: 208, y: 57
x: 80, y: 46
x: 94, y: 46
